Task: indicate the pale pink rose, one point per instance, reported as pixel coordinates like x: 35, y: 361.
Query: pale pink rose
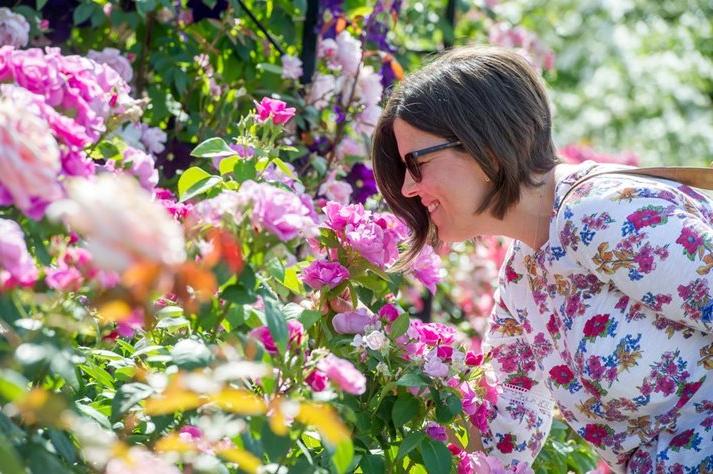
x: 369, y: 88
x: 14, y: 29
x: 348, y: 53
x: 64, y: 278
x: 16, y: 265
x: 322, y: 273
x: 142, y: 166
x: 426, y: 267
x: 295, y: 336
x: 38, y: 73
x: 321, y: 90
x: 375, y: 340
x: 280, y: 212
x: 138, y: 460
x: 350, y: 147
x: 291, y: 67
x: 327, y: 49
x: 212, y: 211
x: 153, y: 139
x: 120, y: 222
x: 367, y: 118
x: 352, y: 322
x: 340, y: 216
x: 434, y: 366
x: 374, y: 243
x: 336, y: 190
x: 343, y: 373
x: 113, y: 58
x: 30, y: 161
x: 274, y: 109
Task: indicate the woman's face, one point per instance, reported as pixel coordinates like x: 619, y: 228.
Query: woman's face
x: 452, y: 186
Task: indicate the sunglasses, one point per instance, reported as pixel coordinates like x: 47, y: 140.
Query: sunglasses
x: 412, y: 165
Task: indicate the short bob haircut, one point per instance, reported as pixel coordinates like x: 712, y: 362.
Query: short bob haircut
x: 493, y: 102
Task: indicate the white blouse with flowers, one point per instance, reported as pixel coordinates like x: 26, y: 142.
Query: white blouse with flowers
x: 611, y: 321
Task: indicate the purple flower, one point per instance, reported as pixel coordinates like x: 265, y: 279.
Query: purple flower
x: 436, y: 431
x: 16, y: 265
x: 361, y: 177
x: 371, y: 242
x: 323, y: 273
x: 343, y: 374
x: 351, y: 322
x: 274, y: 109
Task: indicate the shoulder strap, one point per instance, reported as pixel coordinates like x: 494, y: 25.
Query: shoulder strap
x: 690, y: 176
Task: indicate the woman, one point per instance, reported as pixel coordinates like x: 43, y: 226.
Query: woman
x: 605, y: 302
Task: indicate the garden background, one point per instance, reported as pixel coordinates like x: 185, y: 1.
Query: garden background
x: 196, y: 270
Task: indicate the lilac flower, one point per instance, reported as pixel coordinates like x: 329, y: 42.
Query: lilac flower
x: 291, y: 67
x: 322, y: 273
x: 352, y: 322
x: 361, y: 177
x: 14, y: 29
x: 436, y: 431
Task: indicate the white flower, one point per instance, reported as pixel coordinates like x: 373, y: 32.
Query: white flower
x: 321, y: 90
x: 112, y: 57
x: 121, y: 222
x: 375, y: 340
x: 291, y: 67
x: 153, y: 138
x: 14, y: 29
x: 348, y: 53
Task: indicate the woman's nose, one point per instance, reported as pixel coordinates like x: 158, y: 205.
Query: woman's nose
x: 408, y: 189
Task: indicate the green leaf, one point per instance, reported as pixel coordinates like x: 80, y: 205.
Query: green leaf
x: 283, y: 167
x: 436, y: 457
x: 227, y: 165
x: 292, y: 282
x: 373, y: 464
x: 448, y: 408
x: 277, y: 324
x: 272, y: 68
x: 212, y: 148
x: 103, y: 377
x: 12, y: 385
x: 238, y: 294
x: 143, y: 7
x: 9, y: 459
x: 412, y: 379
x: 127, y: 396
x: 309, y: 318
x: 244, y: 170
x: 328, y: 237
x: 195, y: 181
x: 409, y: 443
x: 40, y: 4
x: 191, y: 354
x: 275, y: 446
x: 63, y: 444
x: 82, y: 12
x: 400, y: 325
x: 405, y: 408
x: 343, y: 455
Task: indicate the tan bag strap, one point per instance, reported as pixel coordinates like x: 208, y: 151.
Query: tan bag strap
x: 688, y: 175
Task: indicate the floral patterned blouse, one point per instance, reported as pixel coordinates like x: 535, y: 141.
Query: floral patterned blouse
x: 611, y: 321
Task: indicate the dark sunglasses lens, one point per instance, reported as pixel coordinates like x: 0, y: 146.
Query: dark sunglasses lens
x: 413, y: 167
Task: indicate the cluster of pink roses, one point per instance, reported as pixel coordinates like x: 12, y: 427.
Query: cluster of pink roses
x: 43, y: 83
x: 16, y: 265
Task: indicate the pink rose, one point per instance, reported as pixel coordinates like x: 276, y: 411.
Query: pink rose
x: 352, y: 322
x: 274, y: 109
x: 323, y: 273
x: 142, y: 166
x: 64, y: 278
x: 317, y: 380
x: 16, y: 265
x: 295, y: 336
x: 14, y: 29
x: 30, y: 162
x: 112, y: 57
x: 427, y: 268
x: 388, y: 312
x: 291, y: 67
x: 340, y: 216
x: 343, y: 374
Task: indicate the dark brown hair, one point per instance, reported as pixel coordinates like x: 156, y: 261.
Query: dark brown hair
x: 488, y: 98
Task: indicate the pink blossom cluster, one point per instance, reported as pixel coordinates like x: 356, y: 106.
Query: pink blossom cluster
x: 16, y: 265
x: 575, y: 153
x: 282, y: 213
x: 275, y: 110
x: 167, y: 199
x: 295, y: 336
x: 340, y: 372
x: 479, y: 463
x: 427, y: 268
x: 321, y: 273
x: 374, y: 236
x: 194, y: 436
x: 524, y: 42
x: 74, y: 267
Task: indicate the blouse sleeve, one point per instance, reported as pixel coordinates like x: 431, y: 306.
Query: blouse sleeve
x: 649, y: 240
x: 520, y: 420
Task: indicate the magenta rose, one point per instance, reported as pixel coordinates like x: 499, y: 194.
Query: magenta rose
x: 596, y: 325
x: 427, y: 268
x: 317, y: 380
x: 595, y: 434
x: 340, y: 216
x: 274, y: 109
x: 263, y: 334
x: 324, y: 273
